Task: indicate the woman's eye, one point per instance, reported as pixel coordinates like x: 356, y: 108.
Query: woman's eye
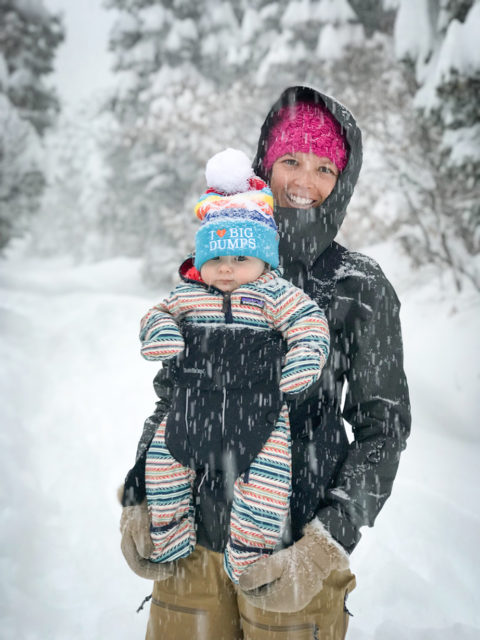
x: 327, y: 170
x: 290, y: 161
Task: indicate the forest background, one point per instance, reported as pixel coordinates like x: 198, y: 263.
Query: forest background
x: 118, y: 174
x: 101, y: 163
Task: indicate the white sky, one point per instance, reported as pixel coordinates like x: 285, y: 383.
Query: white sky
x: 83, y: 62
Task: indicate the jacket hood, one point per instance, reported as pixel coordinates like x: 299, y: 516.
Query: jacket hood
x: 305, y: 234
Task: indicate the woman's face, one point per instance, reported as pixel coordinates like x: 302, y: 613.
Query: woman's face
x: 302, y: 180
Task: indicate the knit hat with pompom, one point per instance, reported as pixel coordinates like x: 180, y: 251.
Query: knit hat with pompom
x: 236, y: 212
x: 308, y: 128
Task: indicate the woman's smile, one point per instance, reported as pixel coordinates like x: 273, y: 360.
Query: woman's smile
x: 300, y: 201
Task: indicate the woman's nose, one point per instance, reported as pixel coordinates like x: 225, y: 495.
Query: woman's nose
x: 304, y: 178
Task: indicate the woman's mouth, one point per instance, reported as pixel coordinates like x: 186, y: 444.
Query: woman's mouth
x: 300, y: 201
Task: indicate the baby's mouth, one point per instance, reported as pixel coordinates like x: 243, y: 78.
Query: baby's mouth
x: 300, y: 201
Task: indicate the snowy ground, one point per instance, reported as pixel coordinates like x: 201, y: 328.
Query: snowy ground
x: 74, y: 392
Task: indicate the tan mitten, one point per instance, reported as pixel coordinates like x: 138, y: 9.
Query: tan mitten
x: 287, y: 581
x: 137, y: 545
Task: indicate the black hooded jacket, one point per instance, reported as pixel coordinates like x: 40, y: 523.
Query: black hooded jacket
x: 344, y: 484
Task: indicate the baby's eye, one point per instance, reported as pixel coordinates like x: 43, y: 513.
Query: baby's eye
x: 241, y: 258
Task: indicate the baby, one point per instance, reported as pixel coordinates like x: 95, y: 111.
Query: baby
x: 223, y: 332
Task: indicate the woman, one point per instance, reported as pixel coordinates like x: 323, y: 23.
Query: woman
x: 310, y: 152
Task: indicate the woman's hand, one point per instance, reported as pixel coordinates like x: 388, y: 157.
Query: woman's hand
x: 137, y: 545
x: 288, y: 580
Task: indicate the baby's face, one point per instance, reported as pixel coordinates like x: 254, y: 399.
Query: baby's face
x: 227, y: 273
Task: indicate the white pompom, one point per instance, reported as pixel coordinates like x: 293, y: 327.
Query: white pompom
x: 229, y: 171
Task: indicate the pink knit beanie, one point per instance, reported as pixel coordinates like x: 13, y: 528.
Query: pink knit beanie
x: 306, y: 127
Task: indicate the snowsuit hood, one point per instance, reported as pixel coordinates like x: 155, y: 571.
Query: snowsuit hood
x: 305, y: 234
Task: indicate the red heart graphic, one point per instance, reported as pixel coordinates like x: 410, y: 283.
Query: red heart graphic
x: 221, y: 232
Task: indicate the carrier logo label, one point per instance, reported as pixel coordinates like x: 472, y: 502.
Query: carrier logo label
x: 252, y: 301
x: 194, y: 370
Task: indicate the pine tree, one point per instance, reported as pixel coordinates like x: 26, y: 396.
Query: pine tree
x: 29, y: 35
x: 370, y: 82
x: 165, y: 105
x: 195, y: 77
x: 71, y: 207
x: 444, y: 69
x: 21, y: 176
x: 346, y: 50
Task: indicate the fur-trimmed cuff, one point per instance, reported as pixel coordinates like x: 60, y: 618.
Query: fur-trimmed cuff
x: 317, y: 529
x: 137, y: 545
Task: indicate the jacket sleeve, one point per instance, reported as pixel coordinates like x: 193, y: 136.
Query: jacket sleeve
x: 159, y: 332
x: 378, y: 409
x: 305, y: 328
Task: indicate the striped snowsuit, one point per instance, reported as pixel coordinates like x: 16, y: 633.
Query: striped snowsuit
x: 261, y: 493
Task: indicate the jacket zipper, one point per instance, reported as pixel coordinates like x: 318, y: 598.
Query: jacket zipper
x: 227, y: 308
x: 227, y: 303
x: 224, y: 406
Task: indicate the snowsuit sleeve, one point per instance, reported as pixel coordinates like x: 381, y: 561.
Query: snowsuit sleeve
x: 305, y: 329
x: 378, y: 409
x: 159, y: 332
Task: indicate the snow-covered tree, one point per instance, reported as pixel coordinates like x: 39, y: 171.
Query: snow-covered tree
x: 346, y: 49
x: 368, y: 80
x: 21, y: 174
x: 439, y: 43
x: 29, y: 35
x: 172, y: 64
x: 194, y: 77
x: 76, y: 174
